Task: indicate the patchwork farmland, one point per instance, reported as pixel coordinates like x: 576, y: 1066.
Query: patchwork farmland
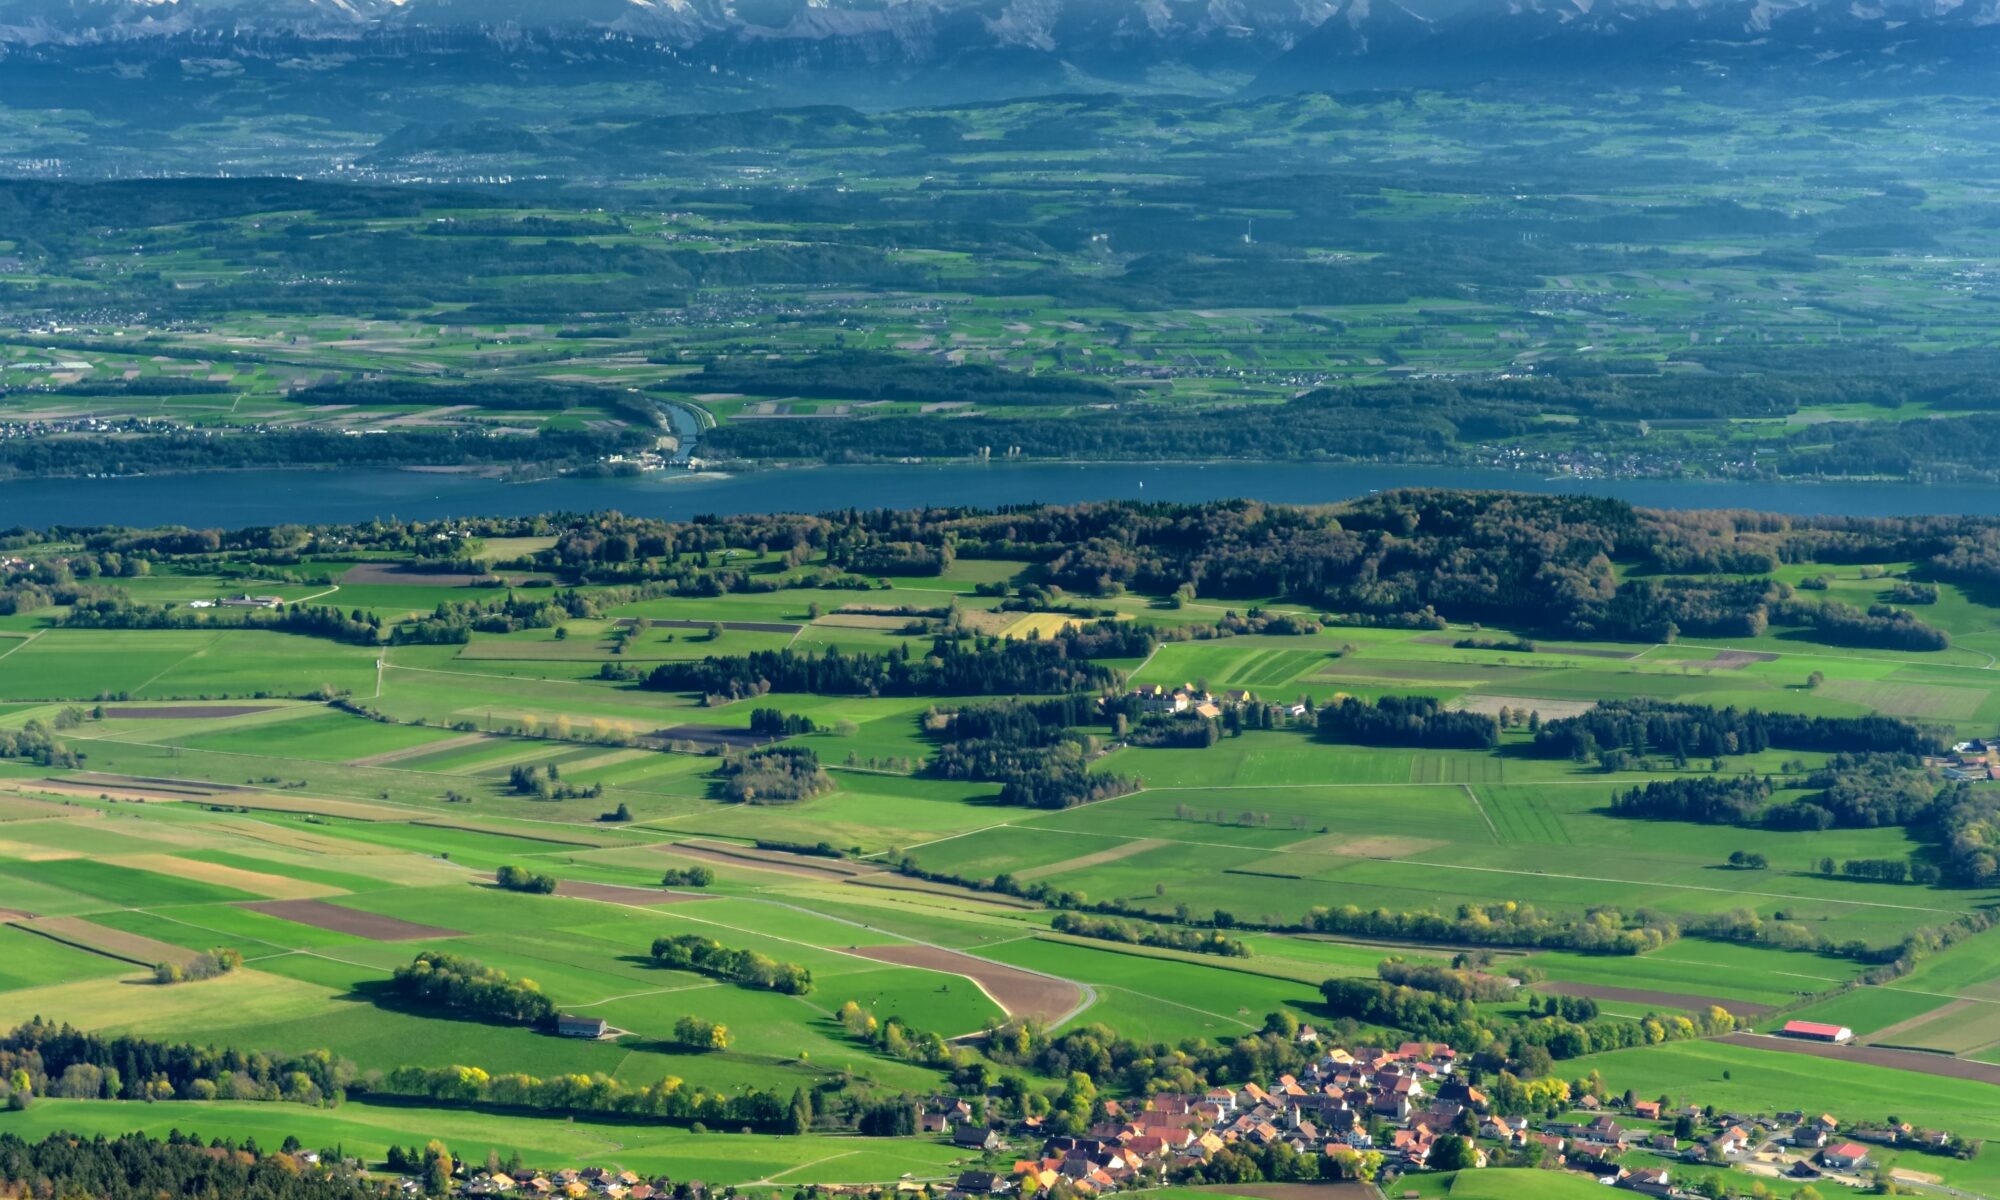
x: 246, y: 837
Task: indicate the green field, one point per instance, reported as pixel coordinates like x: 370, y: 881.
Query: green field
x: 174, y: 825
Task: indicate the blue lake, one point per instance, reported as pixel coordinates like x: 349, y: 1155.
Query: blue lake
x: 234, y: 499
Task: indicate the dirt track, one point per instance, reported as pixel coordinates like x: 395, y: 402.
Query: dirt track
x: 1902, y: 1060
x: 1020, y: 993
x: 1680, y: 1000
x: 321, y: 915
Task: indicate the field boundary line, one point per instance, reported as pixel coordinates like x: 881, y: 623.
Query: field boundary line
x: 1117, y: 987
x: 179, y: 662
x: 1934, y: 995
x: 1686, y: 887
x: 771, y: 1181
x: 951, y: 837
x: 1481, y: 810
x: 18, y: 643
x: 284, y: 951
x: 693, y: 987
x: 1087, y: 991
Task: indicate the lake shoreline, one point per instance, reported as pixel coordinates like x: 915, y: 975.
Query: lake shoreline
x: 306, y: 495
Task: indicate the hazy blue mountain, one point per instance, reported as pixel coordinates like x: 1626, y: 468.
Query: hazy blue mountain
x: 875, y: 53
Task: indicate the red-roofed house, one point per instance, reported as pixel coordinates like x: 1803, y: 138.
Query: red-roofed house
x: 1816, y: 1032
x: 1847, y: 1156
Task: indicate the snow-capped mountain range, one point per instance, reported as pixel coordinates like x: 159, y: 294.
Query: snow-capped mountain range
x: 976, y: 46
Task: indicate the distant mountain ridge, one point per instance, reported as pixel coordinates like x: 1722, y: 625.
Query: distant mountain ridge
x: 899, y: 51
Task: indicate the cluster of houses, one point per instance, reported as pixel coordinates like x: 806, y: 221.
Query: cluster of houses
x: 572, y: 1183
x: 1973, y: 761
x: 1157, y: 699
x: 1399, y: 1103
x: 1328, y: 1111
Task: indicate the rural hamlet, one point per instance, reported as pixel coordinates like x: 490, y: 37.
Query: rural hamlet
x: 1368, y: 1115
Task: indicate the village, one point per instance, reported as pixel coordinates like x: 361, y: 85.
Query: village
x: 1364, y: 1116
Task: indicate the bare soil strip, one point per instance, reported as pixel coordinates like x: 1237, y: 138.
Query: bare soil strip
x: 1124, y: 850
x: 395, y: 756
x: 769, y: 860
x: 111, y: 943
x: 182, y: 712
x: 1680, y: 1000
x: 91, y: 791
x: 1349, y: 845
x: 1723, y: 660
x: 1020, y: 993
x: 618, y: 893
x: 321, y: 915
x: 16, y: 807
x: 30, y: 852
x: 1902, y: 1060
x: 1888, y: 1032
x: 1491, y: 705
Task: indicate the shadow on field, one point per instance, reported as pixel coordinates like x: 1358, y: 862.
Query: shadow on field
x: 382, y: 994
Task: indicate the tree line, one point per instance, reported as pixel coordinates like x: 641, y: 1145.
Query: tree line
x: 60, y: 1060
x: 135, y: 1167
x: 462, y: 986
x: 1646, y: 726
x: 1407, y: 721
x: 706, y: 956
x: 667, y: 1099
x: 954, y: 667
x: 1164, y: 936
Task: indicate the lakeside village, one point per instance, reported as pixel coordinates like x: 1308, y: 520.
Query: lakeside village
x: 1367, y: 1115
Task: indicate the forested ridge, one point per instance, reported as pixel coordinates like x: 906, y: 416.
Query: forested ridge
x: 1575, y: 566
